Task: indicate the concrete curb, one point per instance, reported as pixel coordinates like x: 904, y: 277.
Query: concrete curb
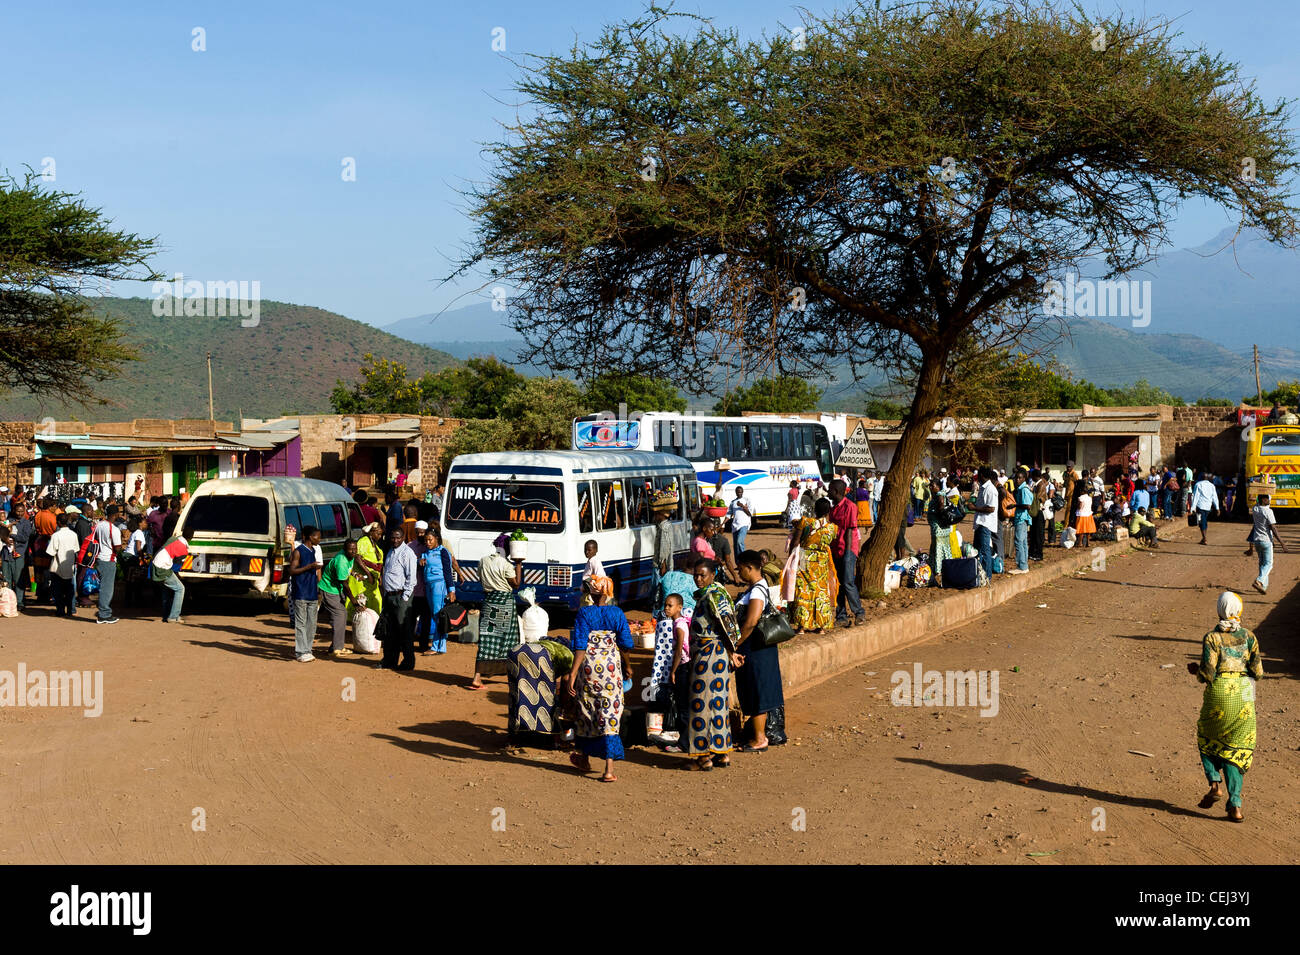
x: 810, y: 659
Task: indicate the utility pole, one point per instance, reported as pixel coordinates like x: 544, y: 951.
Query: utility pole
x: 213, y: 417
x: 1259, y: 391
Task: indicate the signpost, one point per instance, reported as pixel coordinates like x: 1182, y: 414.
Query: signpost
x: 856, y: 452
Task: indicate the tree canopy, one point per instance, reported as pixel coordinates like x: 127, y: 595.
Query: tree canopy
x: 474, y: 390
x: 606, y: 392
x: 895, y: 187
x: 536, y: 415
x: 52, y: 247
x: 784, y: 395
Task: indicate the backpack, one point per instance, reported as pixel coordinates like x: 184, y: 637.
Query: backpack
x: 88, y: 553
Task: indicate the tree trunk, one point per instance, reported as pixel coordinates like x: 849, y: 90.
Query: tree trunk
x: 898, y: 482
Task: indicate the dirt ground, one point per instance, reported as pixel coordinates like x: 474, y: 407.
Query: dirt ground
x: 212, y: 723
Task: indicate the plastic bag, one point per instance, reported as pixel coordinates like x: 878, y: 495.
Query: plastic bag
x: 8, y: 601
x: 364, y: 622
x: 776, y: 726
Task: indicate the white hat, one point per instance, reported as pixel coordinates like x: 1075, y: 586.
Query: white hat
x: 421, y: 525
x: 72, y: 509
x: 4, y: 490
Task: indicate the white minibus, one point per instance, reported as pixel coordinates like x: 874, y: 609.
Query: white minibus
x: 235, y: 529
x: 560, y: 500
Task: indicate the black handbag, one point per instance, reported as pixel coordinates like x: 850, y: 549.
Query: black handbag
x: 452, y: 617
x: 773, y: 627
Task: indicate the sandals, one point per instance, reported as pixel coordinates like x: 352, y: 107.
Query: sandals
x: 721, y: 762
x: 1210, y: 798
x: 748, y: 748
x: 1234, y: 814
x: 609, y: 779
x: 696, y: 766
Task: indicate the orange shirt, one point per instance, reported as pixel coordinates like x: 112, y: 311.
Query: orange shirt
x: 44, y: 522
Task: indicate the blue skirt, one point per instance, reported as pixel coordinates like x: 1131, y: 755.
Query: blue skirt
x: 758, y: 681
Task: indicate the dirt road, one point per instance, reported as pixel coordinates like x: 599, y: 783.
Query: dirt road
x: 214, y: 747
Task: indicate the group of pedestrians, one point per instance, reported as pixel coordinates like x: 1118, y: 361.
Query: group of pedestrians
x: 85, y: 553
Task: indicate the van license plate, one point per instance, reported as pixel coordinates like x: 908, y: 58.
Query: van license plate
x: 221, y: 567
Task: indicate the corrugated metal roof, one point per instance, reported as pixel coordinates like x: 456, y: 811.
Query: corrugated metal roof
x: 1046, y: 427
x: 1118, y: 427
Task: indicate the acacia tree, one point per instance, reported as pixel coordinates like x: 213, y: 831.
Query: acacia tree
x: 889, y: 188
x: 52, y: 246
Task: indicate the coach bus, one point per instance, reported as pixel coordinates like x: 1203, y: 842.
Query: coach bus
x: 763, y: 454
x: 560, y: 500
x: 1272, y: 465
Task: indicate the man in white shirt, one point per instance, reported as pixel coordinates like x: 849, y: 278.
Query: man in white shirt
x: 984, y: 502
x: 108, y: 540
x: 1262, y: 536
x: 63, y: 549
x: 1204, y: 500
x: 876, y: 490
x: 741, y: 519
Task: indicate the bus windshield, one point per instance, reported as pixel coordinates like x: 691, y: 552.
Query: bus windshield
x: 1276, y: 444
x: 528, y: 506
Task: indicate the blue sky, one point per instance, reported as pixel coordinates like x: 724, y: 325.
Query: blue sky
x: 233, y: 156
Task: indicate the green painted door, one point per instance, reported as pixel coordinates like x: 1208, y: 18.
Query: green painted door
x: 191, y: 470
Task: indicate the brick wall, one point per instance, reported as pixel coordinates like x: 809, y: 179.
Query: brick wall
x: 16, y: 445
x: 1203, y: 438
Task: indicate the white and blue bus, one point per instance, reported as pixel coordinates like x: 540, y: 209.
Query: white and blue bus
x: 763, y: 454
x: 561, y: 500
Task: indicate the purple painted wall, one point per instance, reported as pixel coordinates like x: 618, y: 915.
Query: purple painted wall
x: 284, y: 461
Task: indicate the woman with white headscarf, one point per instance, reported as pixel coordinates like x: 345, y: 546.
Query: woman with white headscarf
x: 1230, y: 668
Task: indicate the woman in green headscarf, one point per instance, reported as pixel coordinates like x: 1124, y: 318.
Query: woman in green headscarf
x: 1225, y: 733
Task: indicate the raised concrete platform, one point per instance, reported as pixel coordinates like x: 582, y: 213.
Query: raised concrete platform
x: 809, y: 659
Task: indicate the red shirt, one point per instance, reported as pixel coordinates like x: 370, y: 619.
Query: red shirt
x: 844, y: 515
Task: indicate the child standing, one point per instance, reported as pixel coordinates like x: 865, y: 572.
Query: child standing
x: 1084, y: 525
x: 594, y: 569
x: 671, y: 634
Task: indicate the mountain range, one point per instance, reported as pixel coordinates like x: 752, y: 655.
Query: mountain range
x: 1208, y: 306
x: 287, y: 364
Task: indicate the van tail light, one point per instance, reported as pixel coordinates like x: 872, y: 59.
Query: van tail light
x: 278, y: 576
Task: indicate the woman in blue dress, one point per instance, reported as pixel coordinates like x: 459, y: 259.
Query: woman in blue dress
x: 600, y: 633
x: 439, y: 585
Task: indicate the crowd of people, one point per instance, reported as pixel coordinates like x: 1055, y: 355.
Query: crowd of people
x: 83, y: 553
x: 716, y: 669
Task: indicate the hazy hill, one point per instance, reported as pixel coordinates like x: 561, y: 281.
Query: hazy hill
x: 287, y: 363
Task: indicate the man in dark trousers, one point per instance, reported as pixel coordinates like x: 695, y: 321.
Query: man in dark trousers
x: 398, y: 586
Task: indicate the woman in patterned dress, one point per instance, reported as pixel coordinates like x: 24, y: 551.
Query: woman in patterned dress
x: 599, y: 631
x: 498, y: 624
x: 814, y: 594
x: 1230, y: 667
x: 714, y: 635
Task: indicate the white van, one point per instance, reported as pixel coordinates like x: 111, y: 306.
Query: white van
x: 560, y: 500
x: 235, y: 528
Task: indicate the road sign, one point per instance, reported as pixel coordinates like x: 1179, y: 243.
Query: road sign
x: 857, y: 451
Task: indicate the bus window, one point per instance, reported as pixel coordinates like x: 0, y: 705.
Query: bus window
x: 806, y: 449
x: 692, y: 433
x: 824, y: 463
x: 638, y: 502
x: 585, y: 524
x: 760, y: 443
x: 609, y: 494
x: 778, y: 441
x: 692, y: 495
x: 670, y: 487
x: 710, y: 442
x: 739, y: 441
